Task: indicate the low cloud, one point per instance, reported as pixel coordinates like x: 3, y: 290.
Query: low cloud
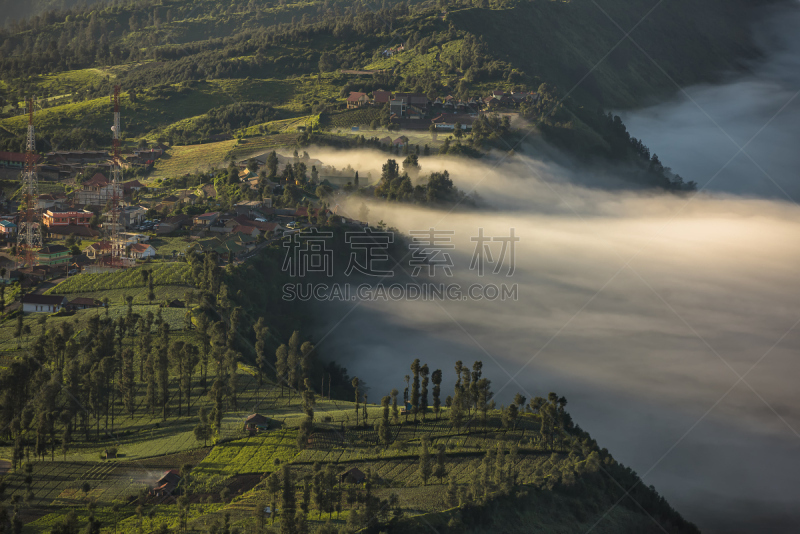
x: 641, y: 308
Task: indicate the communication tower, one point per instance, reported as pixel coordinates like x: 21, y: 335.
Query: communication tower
x: 29, y: 235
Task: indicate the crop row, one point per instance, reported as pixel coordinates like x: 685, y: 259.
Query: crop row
x: 175, y: 273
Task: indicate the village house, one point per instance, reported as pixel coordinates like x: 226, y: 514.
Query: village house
x: 206, y: 219
x: 357, y: 100
x: 82, y: 303
x: 381, y: 97
x: 15, y: 160
x: 142, y: 251
x: 61, y: 232
x: 448, y: 121
x: 170, y: 224
x: 130, y: 216
x: 54, y: 255
x: 32, y: 303
x: 8, y: 228
x: 56, y: 217
x: 400, y: 141
x: 251, y: 231
x: 51, y: 200
x: 96, y: 250
x: 251, y: 207
x: 98, y: 191
x: 131, y: 186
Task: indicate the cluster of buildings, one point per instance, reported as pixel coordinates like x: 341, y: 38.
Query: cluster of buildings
x: 417, y: 111
x: 71, y: 163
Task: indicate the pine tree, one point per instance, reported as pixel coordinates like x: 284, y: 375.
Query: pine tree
x: 281, y: 363
x: 457, y: 409
x: 395, y: 411
x: 295, y: 380
x: 191, y: 359
x: 202, y: 431
x: 436, y: 378
x: 150, y: 377
x: 355, y: 383
x: 288, y: 503
x: 415, y: 368
x: 305, y: 360
x: 162, y: 364
x: 441, y: 471
x: 383, y: 429
x: 128, y: 382
x: 306, y: 427
x: 262, y: 334
x: 452, y: 492
x: 425, y: 468
x: 423, y: 397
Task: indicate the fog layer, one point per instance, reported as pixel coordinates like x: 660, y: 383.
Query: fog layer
x: 670, y: 323
x: 644, y: 310
x: 700, y: 133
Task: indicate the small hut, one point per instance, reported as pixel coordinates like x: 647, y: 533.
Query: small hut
x: 256, y: 423
x: 353, y: 476
x: 165, y: 485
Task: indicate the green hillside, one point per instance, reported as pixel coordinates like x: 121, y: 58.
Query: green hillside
x: 164, y: 386
x: 195, y: 70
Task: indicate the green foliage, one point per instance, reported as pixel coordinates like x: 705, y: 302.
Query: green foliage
x: 160, y: 273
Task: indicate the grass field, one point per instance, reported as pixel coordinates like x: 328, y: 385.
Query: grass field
x: 173, y: 273
x: 181, y: 160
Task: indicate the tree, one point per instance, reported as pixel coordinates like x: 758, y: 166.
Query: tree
x: 513, y: 412
x: 415, y: 368
x: 395, y: 411
x: 202, y: 431
x: 423, y: 403
x: 151, y: 295
x: 441, y: 471
x: 162, y: 364
x: 19, y: 329
x: 452, y: 492
x: 288, y: 502
x: 328, y: 62
x: 306, y: 427
x: 436, y: 378
x: 383, y: 429
x: 190, y: 361
x: 355, y: 383
x: 128, y: 382
x: 457, y: 409
x: 262, y: 334
x: 281, y: 364
x: 425, y: 467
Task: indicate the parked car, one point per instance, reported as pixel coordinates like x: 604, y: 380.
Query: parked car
x: 292, y: 225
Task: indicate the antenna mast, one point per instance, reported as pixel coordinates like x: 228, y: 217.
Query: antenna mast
x: 116, y: 244
x: 29, y: 236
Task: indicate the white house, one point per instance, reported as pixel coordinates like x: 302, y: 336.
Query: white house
x: 42, y: 303
x: 142, y: 251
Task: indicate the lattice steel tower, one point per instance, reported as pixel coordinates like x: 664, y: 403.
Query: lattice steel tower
x: 116, y: 171
x: 29, y: 236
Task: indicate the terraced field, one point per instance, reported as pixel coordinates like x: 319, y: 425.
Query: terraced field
x: 180, y: 160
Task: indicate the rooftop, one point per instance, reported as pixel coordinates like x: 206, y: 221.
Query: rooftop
x: 43, y: 299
